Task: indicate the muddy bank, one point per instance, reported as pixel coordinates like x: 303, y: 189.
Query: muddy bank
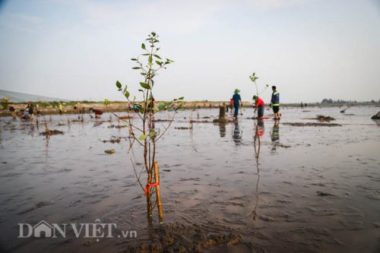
x: 182, y: 238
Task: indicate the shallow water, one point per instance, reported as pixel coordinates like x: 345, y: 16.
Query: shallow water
x: 313, y: 189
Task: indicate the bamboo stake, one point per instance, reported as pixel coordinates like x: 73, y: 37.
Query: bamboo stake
x: 158, y: 193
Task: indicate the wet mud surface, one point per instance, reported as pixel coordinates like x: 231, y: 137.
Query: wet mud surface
x: 312, y: 189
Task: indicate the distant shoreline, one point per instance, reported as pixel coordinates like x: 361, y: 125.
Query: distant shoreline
x: 74, y: 107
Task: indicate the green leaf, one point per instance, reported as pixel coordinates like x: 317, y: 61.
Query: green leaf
x: 159, y: 63
x: 180, y: 98
x: 157, y: 56
x: 136, y: 68
x: 168, y: 61
x: 253, y: 77
x: 118, y: 85
x: 153, y: 33
x: 145, y: 85
x: 126, y: 94
x: 152, y: 134
x: 150, y: 59
x: 133, y: 59
x: 142, y: 45
x: 142, y: 137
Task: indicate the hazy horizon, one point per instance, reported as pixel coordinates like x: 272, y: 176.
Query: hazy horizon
x: 76, y: 50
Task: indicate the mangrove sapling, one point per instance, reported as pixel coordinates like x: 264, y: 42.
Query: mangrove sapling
x: 253, y: 78
x: 145, y: 133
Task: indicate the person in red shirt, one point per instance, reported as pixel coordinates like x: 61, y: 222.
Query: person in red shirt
x: 231, y: 104
x: 259, y: 106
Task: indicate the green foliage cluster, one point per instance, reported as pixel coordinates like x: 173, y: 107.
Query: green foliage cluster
x: 149, y: 63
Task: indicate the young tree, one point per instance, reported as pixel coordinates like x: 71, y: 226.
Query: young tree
x: 253, y: 78
x: 145, y: 133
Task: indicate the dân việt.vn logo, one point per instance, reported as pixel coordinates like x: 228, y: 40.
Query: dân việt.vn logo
x: 96, y: 230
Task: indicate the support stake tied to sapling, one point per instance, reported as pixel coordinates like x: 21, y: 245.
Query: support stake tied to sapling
x: 149, y: 63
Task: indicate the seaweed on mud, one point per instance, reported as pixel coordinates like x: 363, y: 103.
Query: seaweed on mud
x: 162, y: 120
x: 117, y: 126
x: 311, y: 124
x: 223, y: 121
x: 51, y: 132
x: 323, y: 118
x: 110, y: 151
x: 200, y: 121
x: 184, y: 128
x: 114, y: 139
x: 376, y: 116
x: 324, y: 194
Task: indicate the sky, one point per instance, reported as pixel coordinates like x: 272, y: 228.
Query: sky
x: 77, y: 49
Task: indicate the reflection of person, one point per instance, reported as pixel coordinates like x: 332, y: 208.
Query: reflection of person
x: 12, y: 110
x: 237, y: 102
x: 30, y: 108
x: 28, y: 111
x: 237, y: 134
x: 259, y: 106
x: 231, y: 105
x: 25, y: 114
x: 260, y: 130
x: 275, y: 135
x: 275, y: 102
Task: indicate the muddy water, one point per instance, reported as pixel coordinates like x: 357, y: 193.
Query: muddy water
x: 312, y: 189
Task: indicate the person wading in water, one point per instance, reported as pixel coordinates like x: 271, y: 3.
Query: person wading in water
x: 259, y: 106
x: 275, y: 103
x: 237, y: 102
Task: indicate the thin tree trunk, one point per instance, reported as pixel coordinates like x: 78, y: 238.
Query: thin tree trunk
x: 148, y: 199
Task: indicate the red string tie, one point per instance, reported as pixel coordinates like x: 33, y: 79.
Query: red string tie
x: 148, y: 186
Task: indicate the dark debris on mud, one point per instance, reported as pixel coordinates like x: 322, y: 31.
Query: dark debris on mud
x: 376, y: 116
x: 117, y: 126
x: 322, y: 118
x: 324, y: 194
x: 311, y: 124
x: 114, y: 139
x: 51, y: 132
x: 184, y: 128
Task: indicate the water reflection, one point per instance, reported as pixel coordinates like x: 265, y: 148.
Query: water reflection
x: 222, y: 129
x: 259, y: 132
x: 275, y: 135
x: 237, y: 133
